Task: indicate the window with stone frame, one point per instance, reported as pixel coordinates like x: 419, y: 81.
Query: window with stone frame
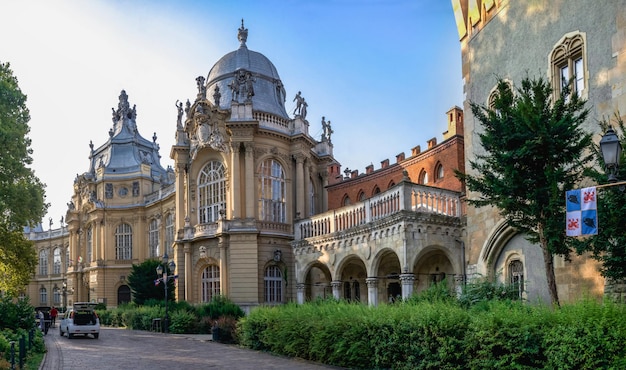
x: 43, y: 262
x: 210, y: 282
x: 43, y: 296
x: 153, y: 238
x: 567, y: 63
x: 516, y: 275
x: 56, y: 261
x: 272, y: 192
x: 89, y: 242
x: 56, y: 296
x: 273, y: 281
x: 211, y: 192
x: 439, y: 171
x: 169, y: 232
x: 124, y: 242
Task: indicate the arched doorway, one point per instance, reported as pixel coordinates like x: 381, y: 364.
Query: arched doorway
x: 123, y: 294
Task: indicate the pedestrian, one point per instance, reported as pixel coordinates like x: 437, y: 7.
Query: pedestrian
x: 42, y: 321
x: 53, y: 315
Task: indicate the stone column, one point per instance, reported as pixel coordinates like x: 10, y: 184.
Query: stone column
x: 223, y: 266
x: 250, y: 183
x: 407, y: 281
x: 300, y: 292
x: 372, y: 291
x: 182, y: 193
x: 336, y: 284
x: 324, y: 192
x: 299, y: 185
x: 235, y: 191
x: 186, y: 288
x: 307, y: 192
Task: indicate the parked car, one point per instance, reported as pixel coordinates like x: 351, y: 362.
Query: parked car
x: 81, y: 319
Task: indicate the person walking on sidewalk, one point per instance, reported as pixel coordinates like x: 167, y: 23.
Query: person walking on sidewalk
x: 53, y: 315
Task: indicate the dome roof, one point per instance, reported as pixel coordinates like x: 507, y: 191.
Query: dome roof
x: 236, y: 68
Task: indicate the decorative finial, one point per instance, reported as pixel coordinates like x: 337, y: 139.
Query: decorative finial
x: 242, y: 35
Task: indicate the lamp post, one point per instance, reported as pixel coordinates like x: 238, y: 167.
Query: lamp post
x: 161, y: 270
x: 611, y: 150
x: 64, y: 291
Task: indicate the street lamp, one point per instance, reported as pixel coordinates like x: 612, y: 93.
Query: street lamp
x: 611, y: 150
x: 161, y: 270
x: 64, y: 290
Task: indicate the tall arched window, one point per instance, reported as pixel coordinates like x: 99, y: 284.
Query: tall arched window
x: 361, y: 196
x: 56, y: 296
x: 346, y: 200
x: 272, y: 192
x: 124, y: 242
x: 211, y: 192
x: 89, y: 244
x: 376, y: 190
x: 169, y: 233
x: 439, y: 171
x: 153, y: 238
x: 423, y: 178
x: 43, y: 296
x: 516, y: 275
x: 273, y: 285
x: 56, y: 261
x: 43, y: 262
x: 210, y: 283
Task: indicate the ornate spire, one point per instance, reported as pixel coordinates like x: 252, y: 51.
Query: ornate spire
x: 242, y: 35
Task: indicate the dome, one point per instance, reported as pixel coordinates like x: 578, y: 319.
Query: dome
x: 248, y: 75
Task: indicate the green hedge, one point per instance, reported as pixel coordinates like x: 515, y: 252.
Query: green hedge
x: 443, y: 335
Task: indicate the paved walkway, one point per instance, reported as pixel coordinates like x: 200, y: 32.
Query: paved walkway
x: 140, y: 350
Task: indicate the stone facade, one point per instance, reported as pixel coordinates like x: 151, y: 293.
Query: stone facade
x: 512, y: 40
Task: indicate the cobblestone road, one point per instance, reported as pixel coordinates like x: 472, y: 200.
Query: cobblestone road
x: 138, y: 350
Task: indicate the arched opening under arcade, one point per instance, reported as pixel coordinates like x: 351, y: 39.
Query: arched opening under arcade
x: 431, y: 267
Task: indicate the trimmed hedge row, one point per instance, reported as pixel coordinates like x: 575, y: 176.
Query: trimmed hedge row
x: 443, y: 335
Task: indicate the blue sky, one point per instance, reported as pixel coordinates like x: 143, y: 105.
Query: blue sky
x: 384, y: 72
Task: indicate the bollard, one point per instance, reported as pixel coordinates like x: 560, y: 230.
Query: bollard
x: 22, y: 351
x: 12, y: 355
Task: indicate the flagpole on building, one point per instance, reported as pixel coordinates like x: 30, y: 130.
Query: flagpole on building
x: 622, y: 183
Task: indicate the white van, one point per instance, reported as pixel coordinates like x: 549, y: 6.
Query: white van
x: 81, y: 319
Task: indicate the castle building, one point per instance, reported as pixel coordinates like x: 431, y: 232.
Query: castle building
x: 557, y: 41
x: 244, y: 210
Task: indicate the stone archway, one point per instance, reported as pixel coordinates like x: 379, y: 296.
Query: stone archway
x: 317, y: 282
x: 123, y: 294
x: 432, y: 267
x: 351, y: 284
x: 388, y: 277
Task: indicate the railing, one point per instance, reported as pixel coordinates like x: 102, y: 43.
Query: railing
x: 271, y: 121
x: 405, y: 196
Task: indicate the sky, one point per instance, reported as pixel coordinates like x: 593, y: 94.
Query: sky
x: 384, y: 72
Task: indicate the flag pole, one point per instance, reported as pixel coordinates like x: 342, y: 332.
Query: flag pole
x: 613, y: 184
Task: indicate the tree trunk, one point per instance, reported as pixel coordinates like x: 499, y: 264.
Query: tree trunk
x: 549, y: 266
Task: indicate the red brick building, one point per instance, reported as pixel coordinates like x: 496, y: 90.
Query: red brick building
x: 434, y: 166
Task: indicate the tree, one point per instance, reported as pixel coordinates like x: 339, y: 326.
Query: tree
x: 534, y: 151
x: 22, y: 195
x: 609, y: 245
x: 142, y: 283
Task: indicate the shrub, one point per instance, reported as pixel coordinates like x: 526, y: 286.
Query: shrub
x: 227, y: 329
x: 183, y: 321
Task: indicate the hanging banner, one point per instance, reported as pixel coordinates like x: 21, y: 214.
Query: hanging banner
x: 582, y: 212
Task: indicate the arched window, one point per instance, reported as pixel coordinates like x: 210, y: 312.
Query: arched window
x: 210, y: 283
x: 439, y: 171
x: 123, y: 295
x: 346, y: 200
x: 272, y: 192
x: 153, y: 238
x: 423, y: 178
x: 211, y: 192
x: 89, y: 244
x: 124, y: 242
x: 56, y: 261
x: 391, y: 184
x: 43, y: 262
x: 567, y: 65
x: 376, y: 190
x: 273, y: 285
x: 516, y: 275
x: 43, y: 296
x: 169, y: 233
x: 56, y: 296
x: 361, y: 196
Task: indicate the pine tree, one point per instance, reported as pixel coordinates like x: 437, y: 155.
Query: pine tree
x: 534, y: 150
